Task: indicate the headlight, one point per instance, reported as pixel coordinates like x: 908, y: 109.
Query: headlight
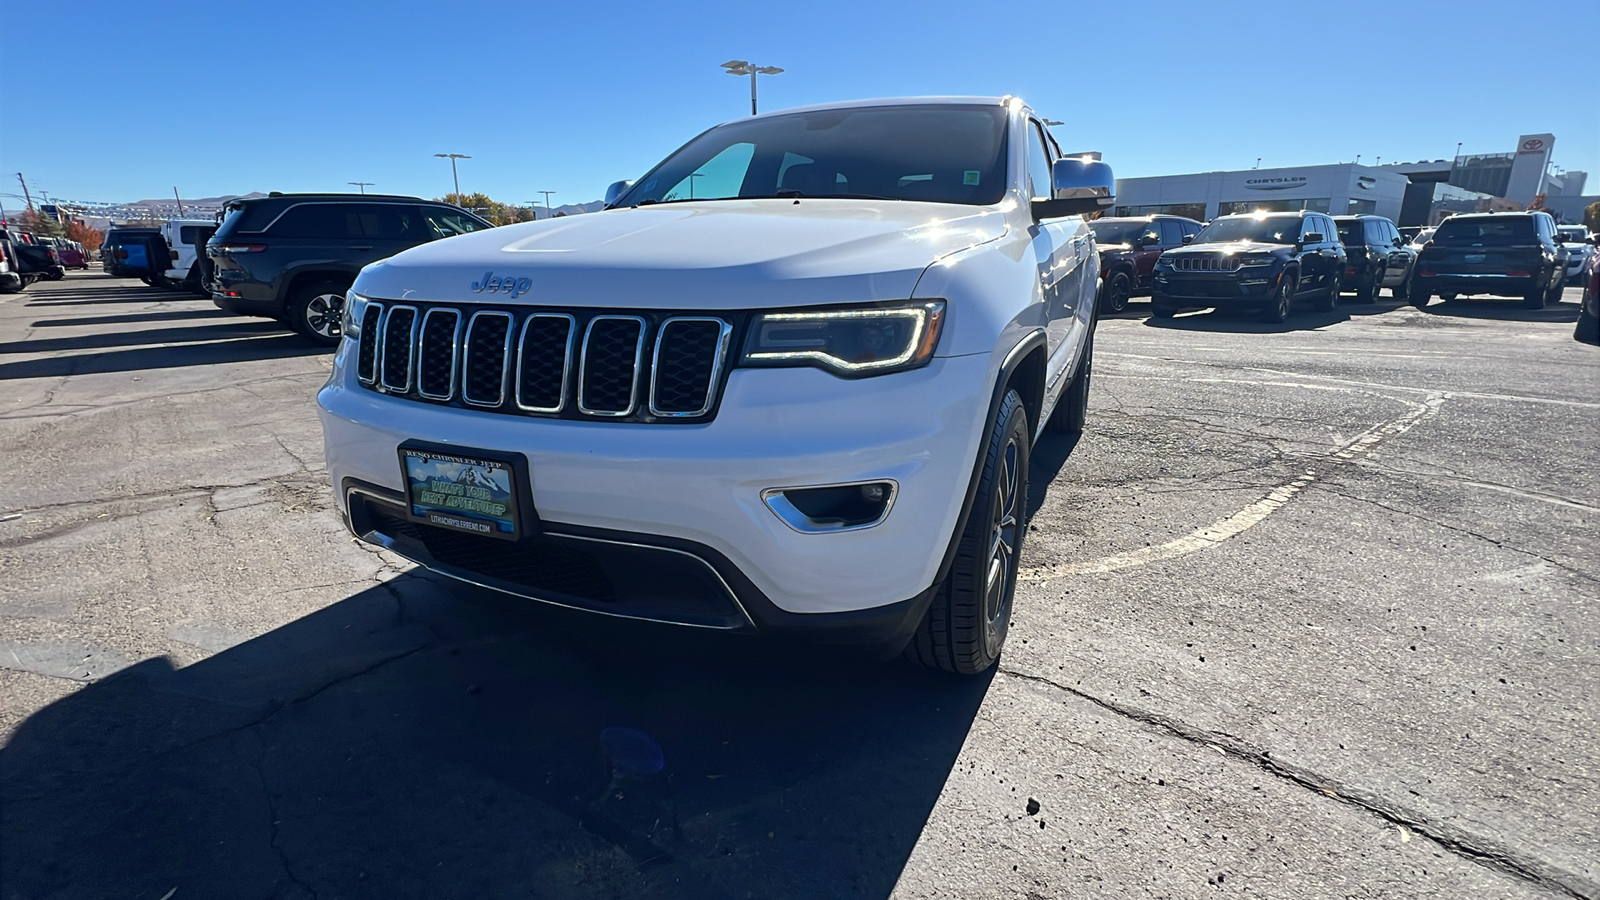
x: 355, y: 309
x: 1256, y: 261
x: 858, y: 341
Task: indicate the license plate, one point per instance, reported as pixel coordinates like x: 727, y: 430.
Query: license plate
x: 462, y: 491
x: 1476, y: 257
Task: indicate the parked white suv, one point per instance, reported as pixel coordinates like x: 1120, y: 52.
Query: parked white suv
x: 1579, y: 244
x: 186, y: 239
x: 787, y: 382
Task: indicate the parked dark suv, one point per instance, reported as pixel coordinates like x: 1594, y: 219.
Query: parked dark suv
x: 1260, y: 261
x: 1376, y: 257
x: 291, y: 257
x: 1514, y: 254
x: 1129, y: 248
x: 134, y: 252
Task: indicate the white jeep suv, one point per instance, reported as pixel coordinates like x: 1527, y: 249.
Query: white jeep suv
x: 787, y: 382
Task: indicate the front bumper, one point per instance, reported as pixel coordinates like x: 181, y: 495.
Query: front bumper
x: 1241, y: 288
x: 697, y: 488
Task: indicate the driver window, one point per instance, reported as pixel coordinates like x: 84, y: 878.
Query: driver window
x: 1038, y: 163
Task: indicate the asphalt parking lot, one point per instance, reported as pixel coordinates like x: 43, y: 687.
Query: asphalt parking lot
x: 1309, y: 611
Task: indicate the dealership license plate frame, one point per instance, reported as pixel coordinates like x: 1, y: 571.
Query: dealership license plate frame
x: 524, y: 519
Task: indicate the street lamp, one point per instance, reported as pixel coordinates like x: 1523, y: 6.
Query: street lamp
x: 549, y: 213
x: 1051, y: 123
x: 453, y: 157
x: 362, y: 184
x: 741, y: 67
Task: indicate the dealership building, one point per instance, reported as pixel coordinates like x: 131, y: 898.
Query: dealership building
x: 1417, y: 193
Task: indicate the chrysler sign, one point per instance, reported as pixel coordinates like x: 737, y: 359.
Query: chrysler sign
x: 1283, y: 183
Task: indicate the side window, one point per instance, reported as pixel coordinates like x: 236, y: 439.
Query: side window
x: 1191, y: 228
x: 445, y: 222
x: 387, y: 222
x: 316, y: 220
x: 1171, y: 234
x: 186, y: 233
x: 1038, y: 163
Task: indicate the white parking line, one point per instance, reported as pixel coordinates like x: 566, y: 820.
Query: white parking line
x: 1251, y: 515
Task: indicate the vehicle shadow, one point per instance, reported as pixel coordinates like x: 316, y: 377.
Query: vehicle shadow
x: 1502, y: 310
x: 1301, y: 318
x: 265, y: 342
x: 425, y: 739
x: 1049, y: 454
x: 230, y: 327
x: 166, y: 315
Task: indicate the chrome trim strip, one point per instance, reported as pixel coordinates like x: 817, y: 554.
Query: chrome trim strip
x: 388, y: 543
x: 566, y: 362
x: 789, y: 515
x: 455, y: 351
x: 377, y: 344
x: 411, y: 350
x: 638, y: 357
x: 505, y: 357
x: 724, y: 336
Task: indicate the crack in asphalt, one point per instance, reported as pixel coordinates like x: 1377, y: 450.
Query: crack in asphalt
x: 1465, y: 844
x: 272, y: 818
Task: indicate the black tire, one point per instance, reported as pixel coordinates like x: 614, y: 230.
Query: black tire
x: 1115, y: 292
x: 1402, y: 291
x: 1448, y: 297
x: 1330, y: 301
x: 1281, y: 301
x: 1535, y: 299
x: 967, y: 622
x: 314, y: 311
x: 1160, y: 310
x: 1554, y: 297
x: 1368, y: 291
x: 1587, y: 329
x: 1072, y: 409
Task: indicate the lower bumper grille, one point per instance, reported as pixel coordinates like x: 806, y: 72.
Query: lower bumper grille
x: 575, y: 364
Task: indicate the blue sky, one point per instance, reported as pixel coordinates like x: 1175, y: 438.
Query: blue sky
x: 299, y: 96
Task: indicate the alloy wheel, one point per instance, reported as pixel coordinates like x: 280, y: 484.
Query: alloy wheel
x: 323, y: 313
x: 1003, y: 534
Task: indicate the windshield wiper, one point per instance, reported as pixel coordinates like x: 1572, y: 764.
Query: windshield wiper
x: 797, y: 195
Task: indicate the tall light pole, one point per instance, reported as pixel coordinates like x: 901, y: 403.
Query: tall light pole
x: 453, y: 157
x: 366, y: 184
x: 741, y: 67
x: 549, y: 213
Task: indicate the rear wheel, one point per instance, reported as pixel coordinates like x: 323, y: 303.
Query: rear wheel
x: 1159, y: 310
x: 1114, y: 295
x: 1368, y: 291
x: 1402, y: 290
x: 967, y: 622
x: 1330, y: 302
x: 1281, y: 299
x: 1554, y: 297
x: 1535, y: 299
x: 315, y: 311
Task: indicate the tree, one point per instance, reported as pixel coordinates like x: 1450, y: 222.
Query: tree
x: 90, y: 238
x: 497, y: 213
x: 1591, y: 216
x: 38, y: 223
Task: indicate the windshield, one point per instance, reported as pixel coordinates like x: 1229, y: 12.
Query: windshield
x: 1499, y: 231
x: 1573, y: 235
x: 1265, y: 229
x: 943, y: 154
x: 1118, y: 232
x: 1423, y: 237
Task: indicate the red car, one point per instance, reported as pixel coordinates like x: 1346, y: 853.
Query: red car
x: 71, y: 253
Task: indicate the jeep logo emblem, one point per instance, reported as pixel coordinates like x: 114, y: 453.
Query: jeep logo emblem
x: 495, y: 284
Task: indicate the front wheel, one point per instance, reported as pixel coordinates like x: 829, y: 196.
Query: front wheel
x: 967, y: 622
x: 1282, y: 299
x: 1330, y: 302
x: 315, y: 311
x: 1114, y: 295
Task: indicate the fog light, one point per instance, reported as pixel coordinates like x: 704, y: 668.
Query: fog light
x: 834, y: 507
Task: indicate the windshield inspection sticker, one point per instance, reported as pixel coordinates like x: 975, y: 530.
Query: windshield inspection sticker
x: 970, y: 176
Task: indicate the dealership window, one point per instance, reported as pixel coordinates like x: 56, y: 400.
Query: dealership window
x: 1238, y: 207
x: 1196, y: 211
x: 1362, y: 207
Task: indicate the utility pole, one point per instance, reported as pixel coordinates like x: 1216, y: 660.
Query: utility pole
x: 179, y: 199
x: 25, y: 195
x: 549, y: 213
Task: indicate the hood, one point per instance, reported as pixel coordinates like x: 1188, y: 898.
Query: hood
x: 723, y: 254
x: 1231, y: 249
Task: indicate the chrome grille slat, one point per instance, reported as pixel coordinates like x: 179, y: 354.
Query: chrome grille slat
x: 430, y: 336
x: 1206, y: 263
x: 598, y: 388
x: 684, y: 388
x: 534, y: 370
x: 489, y: 334
x: 367, y: 348
x: 396, y: 344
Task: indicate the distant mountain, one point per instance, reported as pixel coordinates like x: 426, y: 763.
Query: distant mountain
x: 570, y: 209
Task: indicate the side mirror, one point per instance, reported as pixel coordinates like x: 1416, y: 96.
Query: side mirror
x: 1312, y: 237
x: 1079, y: 186
x: 617, y: 189
x: 1188, y: 239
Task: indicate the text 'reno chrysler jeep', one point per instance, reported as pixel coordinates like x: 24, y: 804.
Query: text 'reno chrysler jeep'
x: 787, y: 382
